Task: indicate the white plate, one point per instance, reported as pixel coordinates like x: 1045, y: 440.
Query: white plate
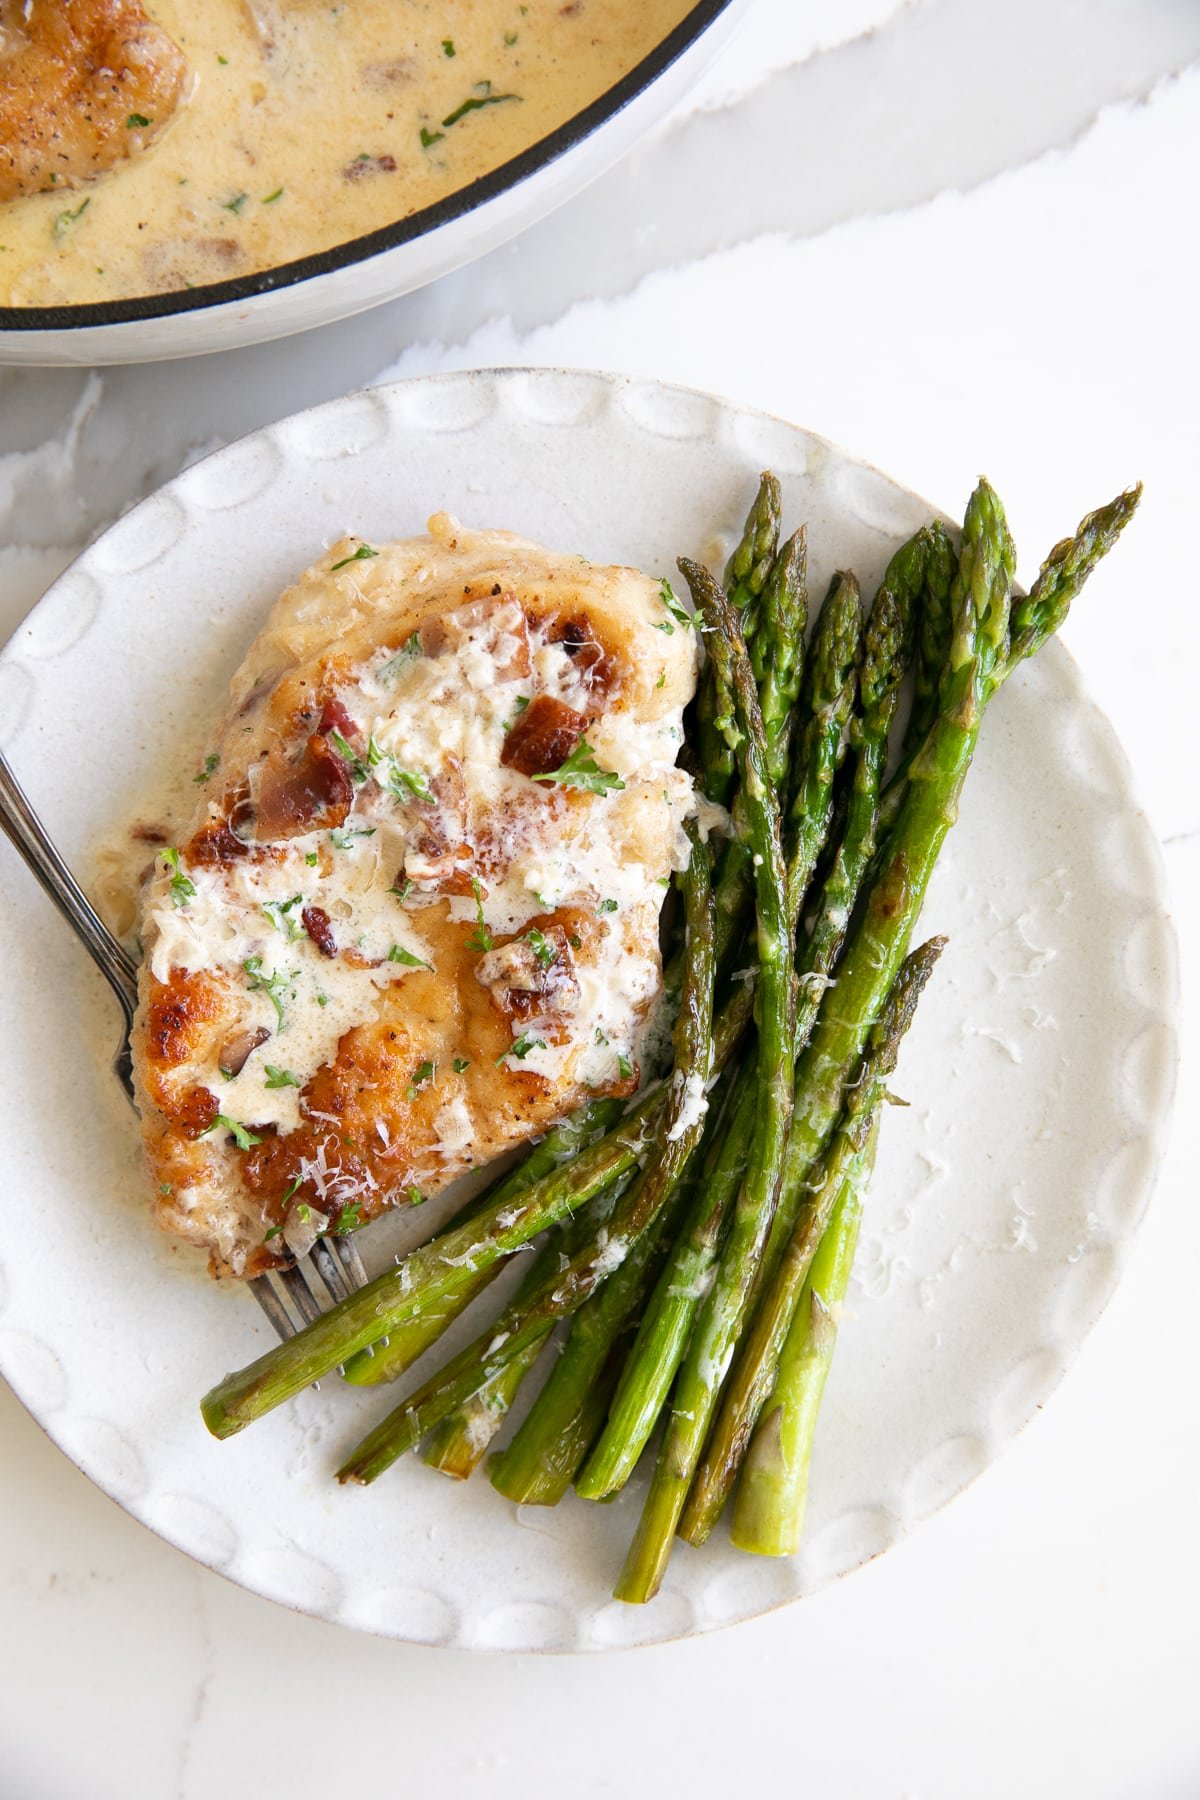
x: 1040, y: 1068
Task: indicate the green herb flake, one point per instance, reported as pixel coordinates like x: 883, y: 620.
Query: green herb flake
x: 291, y: 1190
x: 182, y: 890
x: 270, y: 985
x: 408, y: 650
x: 581, y: 770
x: 164, y: 1187
x: 424, y: 1072
x: 278, y: 910
x: 65, y: 220
x: 340, y: 837
x: 245, y: 1140
x: 359, y: 770
x: 662, y: 680
x: 483, y: 96
x: 481, y: 938
x: 415, y: 1197
x: 607, y: 906
x: 461, y: 1063
x: 272, y: 1232
x: 236, y: 204
x: 407, y: 784
x: 625, y: 1066
x: 311, y: 858
x: 223, y: 60
x: 364, y: 553
x: 510, y: 38
x: 674, y: 606
x: 280, y: 1078
x: 212, y: 761
x: 403, y: 891
x: 521, y: 1048
x: 137, y: 122
x: 575, y: 941
x: 448, y: 47
x: 270, y: 199
x: 541, y: 946
x: 350, y: 1218
x: 430, y: 138
x: 398, y: 954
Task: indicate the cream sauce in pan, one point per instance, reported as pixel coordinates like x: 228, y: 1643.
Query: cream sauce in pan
x: 307, y: 124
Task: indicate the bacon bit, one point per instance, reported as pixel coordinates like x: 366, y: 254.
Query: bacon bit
x: 236, y: 1051
x: 213, y: 845
x: 541, y: 740
x: 582, y: 644
x: 363, y: 166
x: 334, y: 717
x: 316, y: 922
x: 313, y: 794
x: 525, y: 987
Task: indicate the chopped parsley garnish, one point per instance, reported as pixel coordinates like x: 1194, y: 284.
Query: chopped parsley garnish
x: 311, y: 858
x: 277, y: 911
x: 270, y: 199
x: 625, y: 1066
x: 522, y: 1047
x: 399, y: 954
x: 448, y: 47
x: 182, y: 890
x: 270, y: 985
x: 350, y: 1218
x: 340, y: 837
x: 236, y: 204
x: 245, y: 1140
x: 430, y: 138
x: 674, y: 606
x: 422, y: 1073
x: 521, y: 704
x: 407, y: 651
x: 404, y: 890
x: 223, y: 60
x: 273, y: 1232
x: 137, y: 122
x: 65, y: 220
x: 607, y: 906
x: 581, y: 770
x: 510, y: 38
x: 211, y: 761
x: 407, y: 783
x: 600, y: 1037
x: 483, y: 96
x: 662, y: 680
x: 291, y: 1190
x: 280, y: 1078
x: 416, y: 1197
x: 358, y: 768
x: 461, y: 1063
x: 364, y: 553
x: 541, y: 946
x: 575, y: 941
x: 481, y: 938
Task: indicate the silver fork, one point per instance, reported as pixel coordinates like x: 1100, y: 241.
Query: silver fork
x: 291, y: 1296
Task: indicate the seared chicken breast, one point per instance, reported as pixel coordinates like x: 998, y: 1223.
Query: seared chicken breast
x: 415, y: 920
x: 83, y: 85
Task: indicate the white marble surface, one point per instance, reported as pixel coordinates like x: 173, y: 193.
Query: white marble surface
x: 967, y: 239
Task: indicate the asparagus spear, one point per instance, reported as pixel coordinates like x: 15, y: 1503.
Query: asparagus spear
x: 563, y: 1291
x: 721, y: 1317
x: 887, y: 644
x: 411, y: 1340
x: 933, y: 633
x: 543, y: 1457
x: 745, y: 576
x: 826, y: 700
x: 1038, y: 614
x: 778, y: 647
x: 754, y: 1373
x: 662, y: 1336
x: 460, y: 1442
x: 772, y: 1492
x: 434, y: 1276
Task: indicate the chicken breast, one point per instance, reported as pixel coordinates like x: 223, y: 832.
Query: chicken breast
x: 415, y: 920
x: 83, y: 85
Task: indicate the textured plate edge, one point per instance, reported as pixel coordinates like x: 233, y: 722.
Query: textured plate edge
x: 1166, y: 1011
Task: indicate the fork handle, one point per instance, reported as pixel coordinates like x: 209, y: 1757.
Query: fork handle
x: 28, y: 836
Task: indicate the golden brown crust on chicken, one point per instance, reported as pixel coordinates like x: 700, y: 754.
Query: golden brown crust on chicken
x: 83, y: 85
x: 390, y: 947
